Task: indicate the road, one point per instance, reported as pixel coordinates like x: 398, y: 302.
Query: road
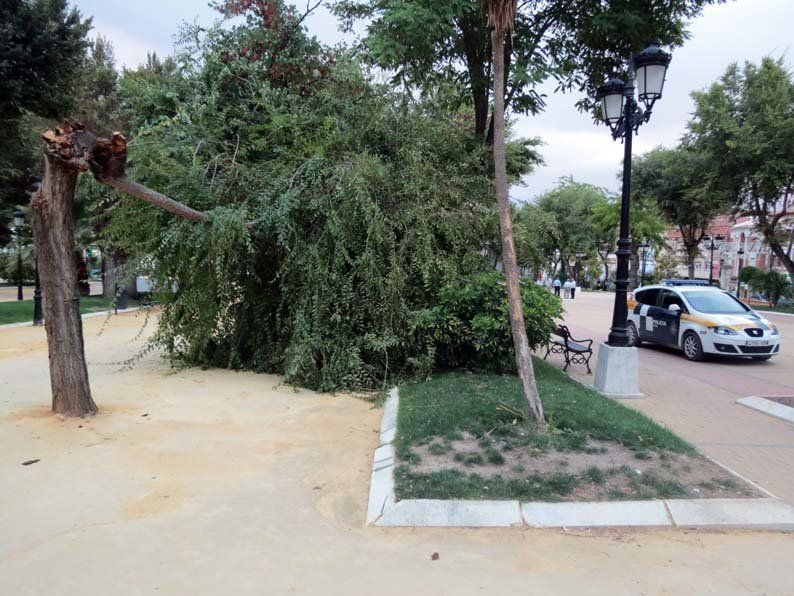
x: 698, y: 399
x: 215, y: 482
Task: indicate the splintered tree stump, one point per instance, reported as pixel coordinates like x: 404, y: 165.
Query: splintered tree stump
x: 53, y: 229
x: 69, y: 150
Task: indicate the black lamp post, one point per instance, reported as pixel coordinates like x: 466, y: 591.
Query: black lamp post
x: 19, y: 221
x: 711, y: 246
x: 740, y: 254
x: 621, y: 112
x: 38, y: 317
x: 644, y: 248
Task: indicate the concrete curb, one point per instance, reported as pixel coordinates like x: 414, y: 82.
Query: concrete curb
x: 99, y: 313
x: 769, y: 407
x: 384, y: 510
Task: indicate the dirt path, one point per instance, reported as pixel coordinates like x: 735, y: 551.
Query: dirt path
x: 214, y: 482
x: 698, y: 399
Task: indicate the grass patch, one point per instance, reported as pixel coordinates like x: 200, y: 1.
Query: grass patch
x: 452, y: 484
x: 451, y: 405
x: 21, y: 311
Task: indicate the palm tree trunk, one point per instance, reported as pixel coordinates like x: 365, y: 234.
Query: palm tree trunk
x: 523, y: 357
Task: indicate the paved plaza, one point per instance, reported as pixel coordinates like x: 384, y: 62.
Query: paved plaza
x: 697, y: 400
x: 216, y: 482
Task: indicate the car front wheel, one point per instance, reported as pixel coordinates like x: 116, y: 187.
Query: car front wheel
x: 634, y: 337
x: 693, y: 349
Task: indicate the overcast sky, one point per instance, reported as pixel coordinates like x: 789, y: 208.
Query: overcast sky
x: 733, y: 32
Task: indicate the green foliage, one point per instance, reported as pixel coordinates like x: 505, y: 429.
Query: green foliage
x: 361, y: 204
x: 749, y: 273
x: 429, y: 44
x: 745, y: 123
x: 41, y: 47
x: 470, y: 325
x: 571, y: 207
x: 9, y: 265
x: 681, y: 183
x: 772, y: 285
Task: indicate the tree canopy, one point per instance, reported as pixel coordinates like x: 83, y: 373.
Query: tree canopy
x: 681, y: 183
x: 435, y: 46
x: 42, y: 44
x: 745, y: 124
x: 335, y: 211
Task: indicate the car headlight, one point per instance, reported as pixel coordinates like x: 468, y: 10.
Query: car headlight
x: 723, y: 331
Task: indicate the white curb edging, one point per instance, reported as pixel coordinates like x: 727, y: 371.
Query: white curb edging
x: 88, y: 315
x: 769, y: 407
x: 384, y: 510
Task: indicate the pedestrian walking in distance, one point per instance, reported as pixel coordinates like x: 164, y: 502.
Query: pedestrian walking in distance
x: 566, y: 289
x: 557, y: 285
x: 573, y: 288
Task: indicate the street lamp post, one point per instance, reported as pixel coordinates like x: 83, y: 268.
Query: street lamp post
x: 740, y: 254
x: 644, y: 248
x: 623, y: 114
x: 711, y: 246
x: 19, y: 221
x: 38, y: 317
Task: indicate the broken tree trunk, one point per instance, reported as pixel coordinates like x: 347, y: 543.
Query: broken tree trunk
x: 70, y: 150
x: 53, y: 230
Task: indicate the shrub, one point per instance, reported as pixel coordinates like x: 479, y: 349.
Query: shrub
x: 772, y: 285
x: 470, y: 326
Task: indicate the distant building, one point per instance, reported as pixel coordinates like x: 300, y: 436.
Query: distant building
x: 736, y: 233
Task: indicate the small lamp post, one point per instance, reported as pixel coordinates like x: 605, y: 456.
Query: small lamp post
x: 38, y: 317
x: 617, y: 373
x: 644, y: 252
x: 711, y: 246
x: 19, y: 221
x: 740, y: 254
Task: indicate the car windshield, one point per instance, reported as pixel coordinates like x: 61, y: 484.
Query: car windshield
x: 715, y: 302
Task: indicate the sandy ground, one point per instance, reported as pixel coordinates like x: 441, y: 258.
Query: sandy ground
x: 214, y: 482
x: 697, y: 400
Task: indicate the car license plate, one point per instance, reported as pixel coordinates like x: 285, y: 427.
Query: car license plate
x: 757, y: 342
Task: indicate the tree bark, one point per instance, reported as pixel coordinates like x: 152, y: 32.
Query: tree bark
x: 521, y: 343
x: 53, y: 230
x: 69, y: 150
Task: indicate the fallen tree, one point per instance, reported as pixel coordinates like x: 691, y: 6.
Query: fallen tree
x: 69, y: 150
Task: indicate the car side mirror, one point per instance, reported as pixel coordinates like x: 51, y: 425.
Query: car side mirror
x: 674, y: 308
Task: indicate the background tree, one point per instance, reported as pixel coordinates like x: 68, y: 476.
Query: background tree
x: 501, y: 16
x: 536, y: 233
x: 772, y: 285
x: 682, y: 183
x: 313, y: 235
x: 570, y: 205
x: 42, y: 44
x: 428, y: 44
x: 645, y: 226
x: 745, y: 124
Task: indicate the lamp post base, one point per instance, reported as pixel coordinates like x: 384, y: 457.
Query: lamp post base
x: 617, y: 372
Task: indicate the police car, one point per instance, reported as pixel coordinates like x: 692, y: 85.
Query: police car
x: 700, y: 320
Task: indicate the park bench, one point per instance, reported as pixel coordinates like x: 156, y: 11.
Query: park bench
x: 576, y: 351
